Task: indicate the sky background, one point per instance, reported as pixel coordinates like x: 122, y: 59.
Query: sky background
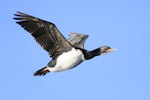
x: 120, y: 75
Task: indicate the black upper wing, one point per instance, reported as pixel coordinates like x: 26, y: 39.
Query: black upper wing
x: 45, y: 33
x: 77, y: 39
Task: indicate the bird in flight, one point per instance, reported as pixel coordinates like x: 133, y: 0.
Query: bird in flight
x: 66, y: 54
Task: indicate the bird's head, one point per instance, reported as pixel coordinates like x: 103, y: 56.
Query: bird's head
x: 97, y: 52
x: 106, y: 49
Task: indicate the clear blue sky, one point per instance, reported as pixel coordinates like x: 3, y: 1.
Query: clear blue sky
x: 120, y: 75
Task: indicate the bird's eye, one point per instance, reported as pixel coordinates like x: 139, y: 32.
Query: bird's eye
x: 107, y: 48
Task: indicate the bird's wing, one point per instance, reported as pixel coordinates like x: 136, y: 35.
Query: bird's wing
x: 45, y: 33
x: 77, y: 39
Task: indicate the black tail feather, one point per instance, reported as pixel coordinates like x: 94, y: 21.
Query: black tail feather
x: 42, y: 71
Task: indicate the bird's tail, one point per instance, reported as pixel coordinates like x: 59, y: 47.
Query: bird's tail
x: 42, y: 71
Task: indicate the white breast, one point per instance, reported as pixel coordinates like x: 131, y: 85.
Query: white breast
x: 68, y: 60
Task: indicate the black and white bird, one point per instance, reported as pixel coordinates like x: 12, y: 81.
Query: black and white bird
x: 66, y: 54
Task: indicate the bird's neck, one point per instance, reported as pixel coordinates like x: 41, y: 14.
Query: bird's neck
x: 90, y: 54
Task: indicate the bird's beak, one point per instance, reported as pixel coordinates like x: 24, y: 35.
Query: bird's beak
x: 110, y: 50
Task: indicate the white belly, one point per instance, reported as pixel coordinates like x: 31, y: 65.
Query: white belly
x: 68, y: 60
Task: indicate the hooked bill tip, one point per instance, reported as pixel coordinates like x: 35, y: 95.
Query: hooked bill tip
x: 113, y: 49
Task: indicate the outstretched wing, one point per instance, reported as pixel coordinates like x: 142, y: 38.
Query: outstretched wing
x: 45, y: 33
x: 77, y: 39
